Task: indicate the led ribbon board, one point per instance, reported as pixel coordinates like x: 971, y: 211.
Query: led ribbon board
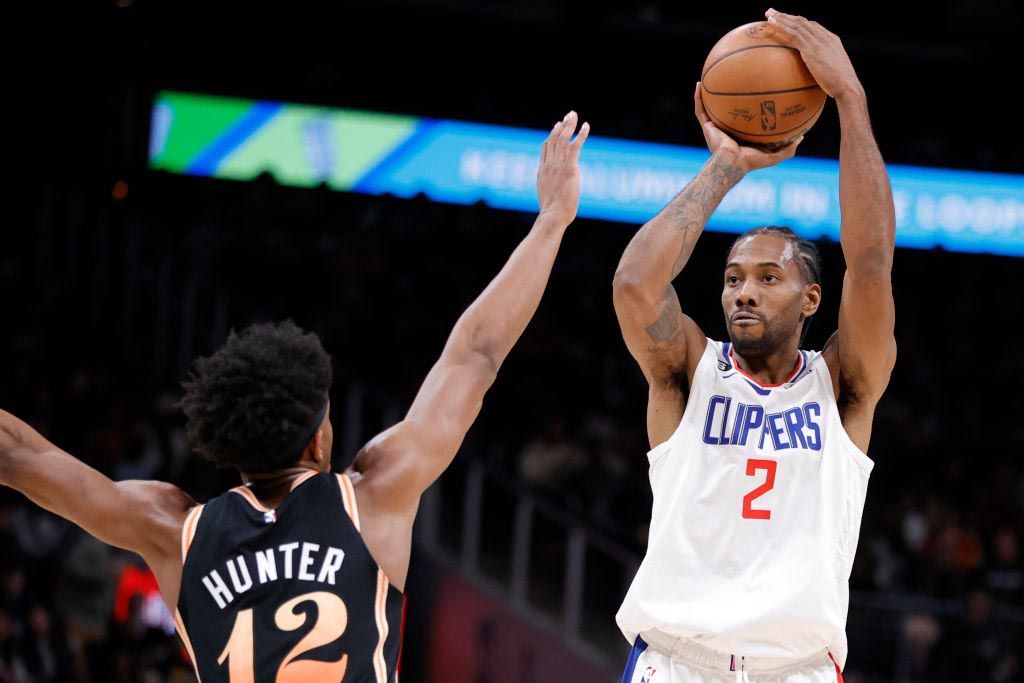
x: 621, y: 180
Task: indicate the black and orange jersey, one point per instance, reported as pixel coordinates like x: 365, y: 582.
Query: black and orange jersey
x: 288, y: 595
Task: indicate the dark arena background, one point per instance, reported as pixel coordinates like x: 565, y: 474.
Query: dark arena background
x: 146, y: 220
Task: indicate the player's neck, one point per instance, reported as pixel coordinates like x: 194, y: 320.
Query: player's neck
x: 768, y: 369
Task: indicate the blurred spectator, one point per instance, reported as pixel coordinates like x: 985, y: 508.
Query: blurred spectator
x: 1004, y: 577
x: 12, y: 667
x: 978, y: 649
x: 47, y: 657
x: 551, y: 460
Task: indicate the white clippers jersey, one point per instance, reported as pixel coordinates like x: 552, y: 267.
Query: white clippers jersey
x: 757, y: 506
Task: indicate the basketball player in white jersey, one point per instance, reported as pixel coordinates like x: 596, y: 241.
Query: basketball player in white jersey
x: 758, y: 463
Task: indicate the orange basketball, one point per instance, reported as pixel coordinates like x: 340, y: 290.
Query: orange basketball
x: 757, y: 89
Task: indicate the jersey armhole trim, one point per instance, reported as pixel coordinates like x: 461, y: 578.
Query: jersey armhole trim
x: 381, y: 615
x: 188, y: 530
x: 180, y: 626
x: 348, y: 497
x: 862, y: 459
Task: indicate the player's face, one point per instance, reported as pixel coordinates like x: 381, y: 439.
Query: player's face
x: 763, y: 294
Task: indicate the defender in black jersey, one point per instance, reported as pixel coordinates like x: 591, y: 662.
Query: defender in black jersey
x: 297, y: 575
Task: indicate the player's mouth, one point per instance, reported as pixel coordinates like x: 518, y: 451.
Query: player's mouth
x: 745, y: 319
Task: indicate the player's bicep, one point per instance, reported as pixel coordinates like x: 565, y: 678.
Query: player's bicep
x: 867, y: 319
x: 137, y: 516
x: 446, y: 406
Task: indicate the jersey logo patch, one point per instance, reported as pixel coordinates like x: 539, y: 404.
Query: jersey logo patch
x: 648, y: 675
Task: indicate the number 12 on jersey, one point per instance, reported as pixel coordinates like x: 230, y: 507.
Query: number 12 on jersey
x: 753, y: 464
x: 331, y: 622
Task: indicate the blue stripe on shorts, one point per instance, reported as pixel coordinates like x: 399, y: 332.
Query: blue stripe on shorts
x: 638, y: 648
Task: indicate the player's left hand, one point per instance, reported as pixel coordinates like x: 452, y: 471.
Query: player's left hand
x: 558, y: 177
x: 821, y: 50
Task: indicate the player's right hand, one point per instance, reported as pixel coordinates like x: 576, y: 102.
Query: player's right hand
x: 558, y: 177
x: 747, y: 157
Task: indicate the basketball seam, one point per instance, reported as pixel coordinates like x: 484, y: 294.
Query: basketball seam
x: 742, y: 49
x: 765, y: 135
x: 763, y: 92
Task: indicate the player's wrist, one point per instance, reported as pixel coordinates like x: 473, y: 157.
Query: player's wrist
x: 732, y: 160
x: 550, y: 220
x: 852, y: 93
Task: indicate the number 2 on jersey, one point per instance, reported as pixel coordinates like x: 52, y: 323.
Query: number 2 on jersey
x: 331, y: 622
x: 752, y: 466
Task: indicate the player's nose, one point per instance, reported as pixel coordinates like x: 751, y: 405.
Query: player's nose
x: 747, y: 294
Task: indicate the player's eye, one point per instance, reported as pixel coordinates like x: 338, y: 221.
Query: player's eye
x: 770, y: 277
x: 732, y: 279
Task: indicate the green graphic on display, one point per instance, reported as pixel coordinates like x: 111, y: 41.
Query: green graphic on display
x: 198, y: 120
x: 297, y: 144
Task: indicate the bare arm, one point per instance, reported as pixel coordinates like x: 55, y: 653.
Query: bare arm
x: 864, y: 348
x: 408, y: 457
x: 142, y: 516
x: 666, y: 343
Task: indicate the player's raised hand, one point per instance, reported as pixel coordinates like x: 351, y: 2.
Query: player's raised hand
x: 558, y: 178
x: 821, y: 50
x: 749, y: 158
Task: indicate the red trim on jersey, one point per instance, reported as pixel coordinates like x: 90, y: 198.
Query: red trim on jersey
x: 839, y: 673
x: 799, y: 367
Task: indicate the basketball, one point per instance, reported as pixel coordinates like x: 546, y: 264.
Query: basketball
x: 758, y: 89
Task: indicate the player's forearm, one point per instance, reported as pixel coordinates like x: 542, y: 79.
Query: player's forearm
x: 15, y: 434
x: 497, y: 318
x: 865, y: 195
x: 659, y: 250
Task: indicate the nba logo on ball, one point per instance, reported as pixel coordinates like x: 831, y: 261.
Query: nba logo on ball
x: 768, y: 115
x: 648, y: 675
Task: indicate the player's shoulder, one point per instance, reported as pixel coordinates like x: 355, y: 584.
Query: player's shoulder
x: 157, y: 495
x: 156, y: 512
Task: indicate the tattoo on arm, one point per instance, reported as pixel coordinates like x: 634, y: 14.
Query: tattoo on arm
x: 692, y: 207
x: 667, y: 327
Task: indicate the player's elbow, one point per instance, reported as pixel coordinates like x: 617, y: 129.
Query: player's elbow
x: 871, y: 263
x: 485, y: 358
x: 629, y: 289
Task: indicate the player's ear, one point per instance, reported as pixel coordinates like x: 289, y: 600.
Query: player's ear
x: 315, y: 450
x: 811, y: 300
